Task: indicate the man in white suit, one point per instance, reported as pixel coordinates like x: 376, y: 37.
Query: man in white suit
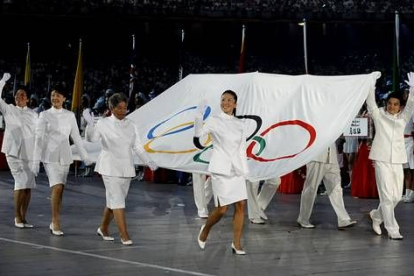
x: 324, y: 167
x: 388, y: 152
x: 258, y: 202
x: 203, y: 193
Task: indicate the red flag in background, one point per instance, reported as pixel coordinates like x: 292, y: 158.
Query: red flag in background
x: 242, y: 52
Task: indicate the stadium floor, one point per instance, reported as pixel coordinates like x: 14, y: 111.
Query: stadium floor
x: 163, y: 224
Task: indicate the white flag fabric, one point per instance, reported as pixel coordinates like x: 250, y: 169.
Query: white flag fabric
x: 290, y: 119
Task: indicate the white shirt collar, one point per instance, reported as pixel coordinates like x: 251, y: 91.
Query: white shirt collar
x: 226, y: 116
x: 116, y: 120
x: 55, y: 110
x: 21, y: 108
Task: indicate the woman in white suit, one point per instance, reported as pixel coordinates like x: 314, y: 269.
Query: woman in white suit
x: 52, y: 147
x: 388, y: 152
x: 18, y: 145
x: 228, y: 167
x: 119, y: 137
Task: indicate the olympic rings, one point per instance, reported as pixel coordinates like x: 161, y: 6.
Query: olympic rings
x: 308, y: 127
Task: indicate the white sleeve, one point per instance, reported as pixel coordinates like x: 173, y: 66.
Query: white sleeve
x: 138, y: 148
x: 91, y: 133
x: 372, y: 104
x: 201, y: 129
x: 39, y: 135
x: 407, y: 113
x: 77, y: 139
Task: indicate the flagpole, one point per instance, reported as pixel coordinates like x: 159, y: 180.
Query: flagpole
x: 15, y: 85
x: 49, y: 77
x: 305, y: 45
x: 180, y: 67
x: 27, y: 71
x: 396, y: 54
x: 242, y: 50
x: 78, y: 84
x: 132, y: 73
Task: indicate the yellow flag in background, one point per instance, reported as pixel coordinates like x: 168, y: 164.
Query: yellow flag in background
x: 78, y: 85
x: 27, y: 68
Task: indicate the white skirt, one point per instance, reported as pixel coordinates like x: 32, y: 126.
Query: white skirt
x: 23, y: 176
x: 410, y: 156
x: 228, y: 189
x: 116, y: 189
x: 56, y: 173
x: 351, y: 144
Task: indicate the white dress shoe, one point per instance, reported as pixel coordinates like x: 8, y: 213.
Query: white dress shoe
x: 27, y: 225
x: 127, y: 242
x: 105, y: 238
x: 257, y: 221
x: 237, y: 251
x: 55, y: 232
x: 263, y: 215
x: 201, y: 244
x: 409, y: 198
x: 305, y: 225
x: 202, y: 215
x: 376, y: 226
x: 346, y: 224
x: 396, y: 236
x: 18, y: 224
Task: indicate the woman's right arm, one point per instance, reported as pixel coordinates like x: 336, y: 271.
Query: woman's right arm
x: 201, y: 128
x: 3, y: 104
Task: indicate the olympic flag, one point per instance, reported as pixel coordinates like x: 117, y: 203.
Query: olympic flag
x: 290, y: 119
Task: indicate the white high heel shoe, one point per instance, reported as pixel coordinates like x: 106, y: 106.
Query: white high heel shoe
x: 127, y: 242
x: 201, y: 243
x: 237, y: 251
x: 105, y: 238
x: 18, y: 224
x: 55, y: 232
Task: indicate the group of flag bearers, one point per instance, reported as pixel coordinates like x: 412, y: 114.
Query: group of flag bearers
x: 30, y: 140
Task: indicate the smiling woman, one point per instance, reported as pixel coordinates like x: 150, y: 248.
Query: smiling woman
x: 18, y: 146
x: 55, y: 125
x: 120, y: 138
x: 228, y: 166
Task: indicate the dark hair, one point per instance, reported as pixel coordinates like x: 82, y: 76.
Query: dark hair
x: 60, y: 89
x: 397, y: 96
x: 25, y: 89
x: 115, y: 99
x: 231, y: 92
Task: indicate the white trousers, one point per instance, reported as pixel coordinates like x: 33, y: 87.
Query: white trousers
x: 389, y: 179
x: 203, y: 192
x: 331, y: 176
x: 258, y: 202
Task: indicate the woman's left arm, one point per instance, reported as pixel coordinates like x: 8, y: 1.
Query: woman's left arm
x: 74, y: 134
x: 138, y: 148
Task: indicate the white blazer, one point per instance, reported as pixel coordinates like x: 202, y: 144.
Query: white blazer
x: 229, y: 143
x: 52, y: 137
x: 329, y: 156
x: 119, y: 140
x: 18, y: 140
x: 388, y: 144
